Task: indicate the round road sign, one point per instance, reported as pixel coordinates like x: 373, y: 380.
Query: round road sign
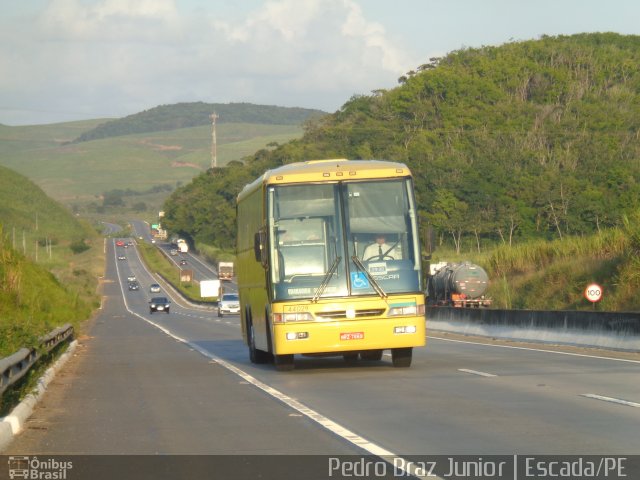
x: 593, y: 292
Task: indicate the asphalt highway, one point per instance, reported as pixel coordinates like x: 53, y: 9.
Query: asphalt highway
x: 182, y: 383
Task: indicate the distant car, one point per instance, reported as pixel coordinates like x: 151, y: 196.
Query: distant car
x: 122, y: 257
x: 229, y: 303
x: 173, y: 252
x: 154, y: 288
x: 183, y: 262
x: 134, y: 286
x: 119, y: 243
x: 159, y: 304
x: 131, y: 278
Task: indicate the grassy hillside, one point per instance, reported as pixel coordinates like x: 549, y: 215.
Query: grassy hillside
x: 15, y: 140
x: 79, y: 174
x: 26, y: 210
x: 552, y: 275
x: 49, y: 264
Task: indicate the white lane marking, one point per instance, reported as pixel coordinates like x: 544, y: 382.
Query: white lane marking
x: 334, y: 427
x: 611, y: 400
x: 476, y: 372
x: 536, y: 350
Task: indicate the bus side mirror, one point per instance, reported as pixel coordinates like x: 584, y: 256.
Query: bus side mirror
x: 259, y: 247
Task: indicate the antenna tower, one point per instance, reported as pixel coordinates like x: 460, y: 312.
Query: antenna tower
x: 214, y: 156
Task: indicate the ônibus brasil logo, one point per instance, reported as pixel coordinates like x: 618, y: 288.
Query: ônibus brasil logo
x: 38, y: 469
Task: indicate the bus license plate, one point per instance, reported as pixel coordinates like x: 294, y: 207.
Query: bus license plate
x: 352, y: 336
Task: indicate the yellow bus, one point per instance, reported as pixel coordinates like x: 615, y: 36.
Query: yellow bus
x: 306, y: 286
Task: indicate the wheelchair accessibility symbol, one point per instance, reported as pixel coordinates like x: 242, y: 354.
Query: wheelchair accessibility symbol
x: 359, y: 280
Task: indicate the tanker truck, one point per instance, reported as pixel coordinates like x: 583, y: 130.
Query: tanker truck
x: 458, y: 285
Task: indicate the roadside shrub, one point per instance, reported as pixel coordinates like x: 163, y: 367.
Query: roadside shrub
x: 79, y: 246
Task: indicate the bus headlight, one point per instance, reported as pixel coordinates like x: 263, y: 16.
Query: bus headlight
x: 297, y: 335
x: 406, y: 310
x: 292, y: 317
x: 405, y: 329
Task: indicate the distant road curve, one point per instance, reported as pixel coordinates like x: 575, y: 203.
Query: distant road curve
x: 110, y: 228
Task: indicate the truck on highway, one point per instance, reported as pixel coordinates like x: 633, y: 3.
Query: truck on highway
x: 458, y: 285
x: 183, y: 247
x: 225, y: 270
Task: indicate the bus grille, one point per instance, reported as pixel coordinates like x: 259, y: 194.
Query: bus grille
x: 342, y: 314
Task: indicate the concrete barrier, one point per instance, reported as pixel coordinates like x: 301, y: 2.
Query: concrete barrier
x: 612, y: 330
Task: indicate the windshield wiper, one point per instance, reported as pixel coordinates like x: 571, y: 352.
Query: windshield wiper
x: 325, y: 281
x: 374, y: 283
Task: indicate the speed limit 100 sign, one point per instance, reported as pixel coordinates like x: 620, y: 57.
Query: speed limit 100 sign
x: 593, y: 292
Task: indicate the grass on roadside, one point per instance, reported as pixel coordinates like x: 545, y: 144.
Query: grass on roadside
x: 157, y: 262
x: 552, y: 274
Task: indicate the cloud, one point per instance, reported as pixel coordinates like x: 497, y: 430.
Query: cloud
x: 116, y: 57
x: 107, y: 20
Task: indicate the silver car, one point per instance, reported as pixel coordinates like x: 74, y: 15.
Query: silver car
x: 229, y: 303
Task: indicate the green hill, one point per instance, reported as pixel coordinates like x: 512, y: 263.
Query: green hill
x: 535, y: 139
x: 26, y: 208
x: 79, y: 175
x: 525, y: 142
x: 187, y: 115
x: 48, y: 270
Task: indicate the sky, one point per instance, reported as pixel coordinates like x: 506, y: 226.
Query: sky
x: 65, y: 60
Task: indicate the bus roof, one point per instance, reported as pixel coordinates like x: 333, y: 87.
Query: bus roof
x: 337, y: 169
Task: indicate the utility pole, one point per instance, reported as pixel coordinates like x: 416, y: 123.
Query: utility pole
x: 214, y: 158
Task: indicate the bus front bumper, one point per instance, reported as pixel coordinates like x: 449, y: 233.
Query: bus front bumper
x: 348, y: 336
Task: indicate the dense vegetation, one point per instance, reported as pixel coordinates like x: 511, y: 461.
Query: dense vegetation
x: 48, y: 270
x: 535, y: 139
x: 186, y: 115
x: 530, y: 145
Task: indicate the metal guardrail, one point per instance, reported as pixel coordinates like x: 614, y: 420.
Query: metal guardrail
x: 15, y: 366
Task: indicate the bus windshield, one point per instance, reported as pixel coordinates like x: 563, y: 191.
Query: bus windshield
x: 343, y: 239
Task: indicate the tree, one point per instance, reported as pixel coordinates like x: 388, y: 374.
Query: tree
x: 449, y: 214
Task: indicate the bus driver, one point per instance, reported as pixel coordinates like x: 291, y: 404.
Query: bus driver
x: 381, y: 250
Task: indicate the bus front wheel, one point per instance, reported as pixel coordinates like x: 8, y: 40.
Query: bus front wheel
x: 401, y: 357
x: 283, y: 363
x: 255, y: 355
